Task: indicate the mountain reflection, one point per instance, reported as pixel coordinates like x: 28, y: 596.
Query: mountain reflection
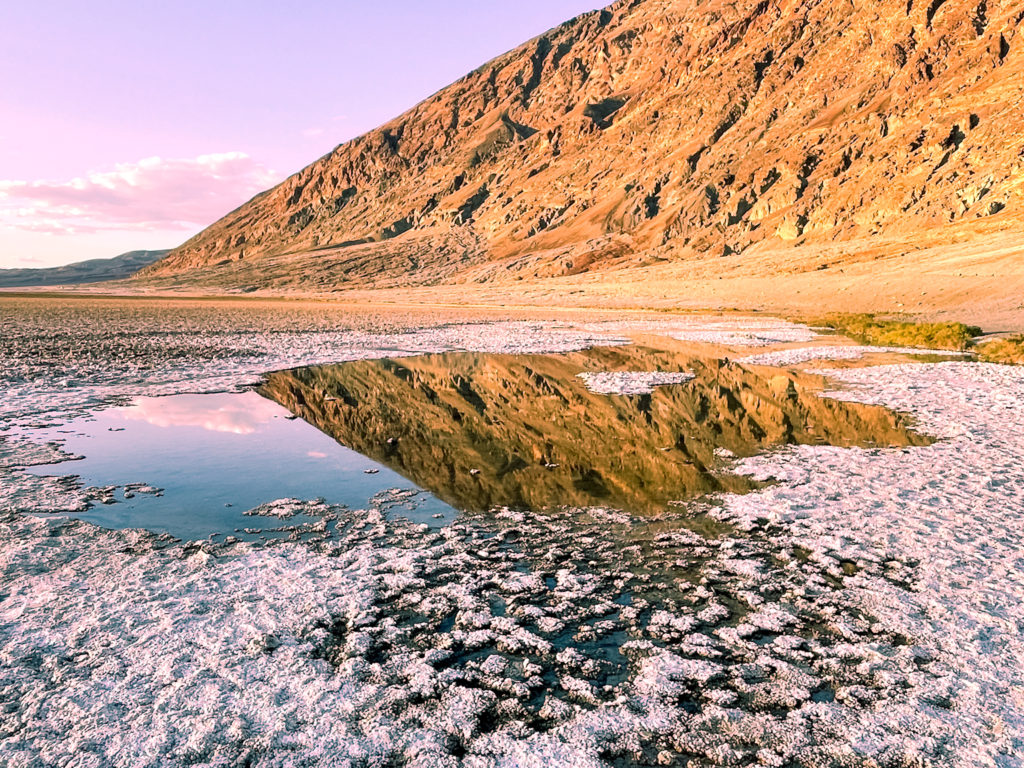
x: 480, y: 430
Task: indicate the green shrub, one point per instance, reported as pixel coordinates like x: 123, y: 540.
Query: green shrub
x: 868, y: 329
x: 1009, y: 351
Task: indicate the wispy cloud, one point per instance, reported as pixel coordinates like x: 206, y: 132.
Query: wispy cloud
x: 29, y: 261
x: 151, y: 194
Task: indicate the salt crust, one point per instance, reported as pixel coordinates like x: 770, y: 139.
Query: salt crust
x: 896, y: 642
x: 631, y: 382
x: 730, y: 332
x: 954, y: 510
x: 390, y: 644
x: 786, y: 357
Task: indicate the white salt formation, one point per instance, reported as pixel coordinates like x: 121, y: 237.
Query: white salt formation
x: 730, y: 332
x: 787, y: 357
x: 631, y: 382
x: 953, y: 513
x: 865, y: 610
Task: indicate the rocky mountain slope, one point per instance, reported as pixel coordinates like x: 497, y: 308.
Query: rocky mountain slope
x: 91, y: 271
x: 662, y: 130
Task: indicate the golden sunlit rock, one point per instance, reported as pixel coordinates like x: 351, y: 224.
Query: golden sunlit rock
x: 661, y: 129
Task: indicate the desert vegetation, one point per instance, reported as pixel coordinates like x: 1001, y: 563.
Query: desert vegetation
x: 1009, y: 350
x: 870, y: 329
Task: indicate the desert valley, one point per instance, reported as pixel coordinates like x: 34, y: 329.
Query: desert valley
x: 649, y: 396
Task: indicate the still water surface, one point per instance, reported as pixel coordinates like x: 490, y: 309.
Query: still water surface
x: 457, y: 431
x: 214, y: 457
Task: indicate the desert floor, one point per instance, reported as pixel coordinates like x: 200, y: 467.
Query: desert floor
x: 864, y: 607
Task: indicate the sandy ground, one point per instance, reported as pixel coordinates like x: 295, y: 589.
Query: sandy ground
x: 976, y: 282
x: 979, y: 281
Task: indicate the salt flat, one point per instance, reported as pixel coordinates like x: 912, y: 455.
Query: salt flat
x: 863, y: 610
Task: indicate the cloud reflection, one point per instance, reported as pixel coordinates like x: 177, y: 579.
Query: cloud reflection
x: 236, y: 414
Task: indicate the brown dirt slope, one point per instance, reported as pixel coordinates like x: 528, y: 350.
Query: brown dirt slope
x: 662, y: 130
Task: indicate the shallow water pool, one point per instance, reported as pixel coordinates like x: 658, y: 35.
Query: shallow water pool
x: 213, y: 457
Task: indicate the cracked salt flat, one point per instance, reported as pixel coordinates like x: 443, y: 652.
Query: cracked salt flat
x: 836, y: 637
x: 956, y: 509
x: 787, y: 357
x: 494, y: 642
x: 631, y: 382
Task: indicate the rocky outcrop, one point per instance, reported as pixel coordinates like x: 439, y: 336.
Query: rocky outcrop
x: 658, y: 129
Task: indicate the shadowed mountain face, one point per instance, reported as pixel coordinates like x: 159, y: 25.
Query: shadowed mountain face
x: 485, y: 430
x: 91, y: 271
x: 660, y: 129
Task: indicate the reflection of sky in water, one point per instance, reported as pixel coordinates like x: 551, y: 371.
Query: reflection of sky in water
x: 216, y: 456
x: 239, y: 415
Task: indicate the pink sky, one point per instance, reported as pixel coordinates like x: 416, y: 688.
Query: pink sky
x: 133, y: 125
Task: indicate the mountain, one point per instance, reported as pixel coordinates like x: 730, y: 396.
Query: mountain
x: 662, y: 130
x: 92, y: 271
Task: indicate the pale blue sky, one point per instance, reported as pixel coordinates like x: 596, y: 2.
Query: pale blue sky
x: 218, y: 98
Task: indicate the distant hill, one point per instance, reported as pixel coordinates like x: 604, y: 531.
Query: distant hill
x: 657, y: 131
x: 91, y: 271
